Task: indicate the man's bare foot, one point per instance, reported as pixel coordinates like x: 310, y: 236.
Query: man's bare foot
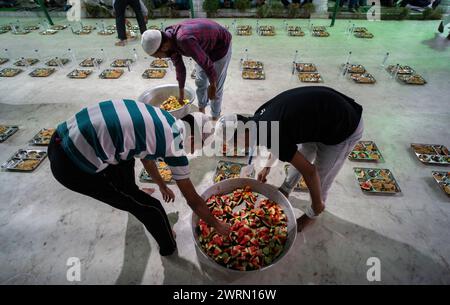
x: 303, y: 221
x: 121, y: 43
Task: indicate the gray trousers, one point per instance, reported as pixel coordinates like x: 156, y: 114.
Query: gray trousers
x: 328, y: 160
x: 202, y: 83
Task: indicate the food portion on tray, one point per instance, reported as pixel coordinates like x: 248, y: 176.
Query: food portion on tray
x: 90, y: 62
x: 26, y: 62
x: 172, y: 103
x: 32, y: 27
x: 305, y: 67
x: 163, y: 170
x: 10, y: 72
x: 121, y: 63
x: 48, y: 32
x: 436, y: 154
x: 313, y: 77
x: 20, y: 32
x: 301, y: 185
x: 364, y: 35
x: 54, y: 62
x: 81, y: 32
x: 3, y: 60
x: 364, y: 78
x: 244, y: 30
x: 354, y: 68
x: 443, y: 180
x: 258, y: 230
x: 414, y: 79
x: 253, y: 74
x: 400, y: 69
x: 252, y: 64
x: 43, y: 137
x: 58, y: 27
x: 295, y: 31
x: 159, y: 63
x: 154, y: 73
x: 266, y: 30
x: 42, y: 72
x: 320, y: 33
x: 365, y: 151
x: 228, y: 170
x: 111, y: 73
x: 376, y: 181
x: 106, y: 32
x: 25, y: 160
x: 79, y: 74
x: 6, y: 131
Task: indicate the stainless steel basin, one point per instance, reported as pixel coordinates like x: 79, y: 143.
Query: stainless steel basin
x: 267, y: 190
x: 157, y: 95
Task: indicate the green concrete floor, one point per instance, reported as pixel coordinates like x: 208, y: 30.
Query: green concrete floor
x: 42, y: 224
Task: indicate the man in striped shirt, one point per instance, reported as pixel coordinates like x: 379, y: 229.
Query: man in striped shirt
x: 93, y: 153
x: 205, y: 41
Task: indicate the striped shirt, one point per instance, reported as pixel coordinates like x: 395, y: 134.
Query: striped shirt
x: 117, y: 130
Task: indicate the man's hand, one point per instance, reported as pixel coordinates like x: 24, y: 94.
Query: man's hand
x: 262, y: 175
x: 212, y: 91
x: 222, y: 228
x: 167, y: 193
x: 318, y: 207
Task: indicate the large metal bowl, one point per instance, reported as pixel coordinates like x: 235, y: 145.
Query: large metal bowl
x: 269, y: 191
x: 157, y: 95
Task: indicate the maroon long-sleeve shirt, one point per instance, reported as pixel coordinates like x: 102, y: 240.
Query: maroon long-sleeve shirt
x: 202, y: 39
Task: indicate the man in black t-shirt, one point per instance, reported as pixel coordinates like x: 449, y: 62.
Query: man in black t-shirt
x: 317, y: 128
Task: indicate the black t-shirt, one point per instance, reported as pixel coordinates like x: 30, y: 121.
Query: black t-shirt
x: 308, y: 114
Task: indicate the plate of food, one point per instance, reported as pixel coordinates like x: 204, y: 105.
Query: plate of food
x: 301, y: 185
x: 42, y: 72
x: 365, y: 151
x: 48, y: 32
x: 320, y: 34
x: 121, y: 63
x: 26, y: 62
x: 401, y: 69
x: 54, y: 62
x: 252, y: 64
x: 354, y: 68
x: 263, y: 226
x: 6, y: 131
x: 154, y: 73
x: 305, y: 67
x: 89, y: 62
x: 42, y: 138
x: 310, y: 77
x: 364, y: 35
x: 266, y: 30
x: 435, y: 154
x: 25, y: 160
x: 82, y: 32
x: 360, y: 30
x: 253, y: 74
x: 228, y: 170
x: 31, y: 27
x: 111, y: 73
x: 244, y: 30
x: 20, y: 32
x: 159, y: 63
x: 414, y: 79
x: 172, y: 103
x: 79, y: 74
x: 58, y: 27
x: 443, y: 180
x: 10, y: 72
x: 106, y: 32
x: 293, y: 28
x: 376, y: 181
x: 364, y: 78
x: 163, y: 169
x: 89, y: 27
x: 3, y: 60
x: 296, y: 33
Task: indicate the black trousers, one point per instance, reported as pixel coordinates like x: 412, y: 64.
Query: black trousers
x: 120, y: 7
x: 115, y: 186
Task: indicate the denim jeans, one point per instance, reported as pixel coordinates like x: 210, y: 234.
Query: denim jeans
x: 202, y: 83
x: 328, y: 160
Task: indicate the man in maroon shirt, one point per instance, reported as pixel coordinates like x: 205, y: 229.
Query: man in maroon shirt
x: 208, y: 43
